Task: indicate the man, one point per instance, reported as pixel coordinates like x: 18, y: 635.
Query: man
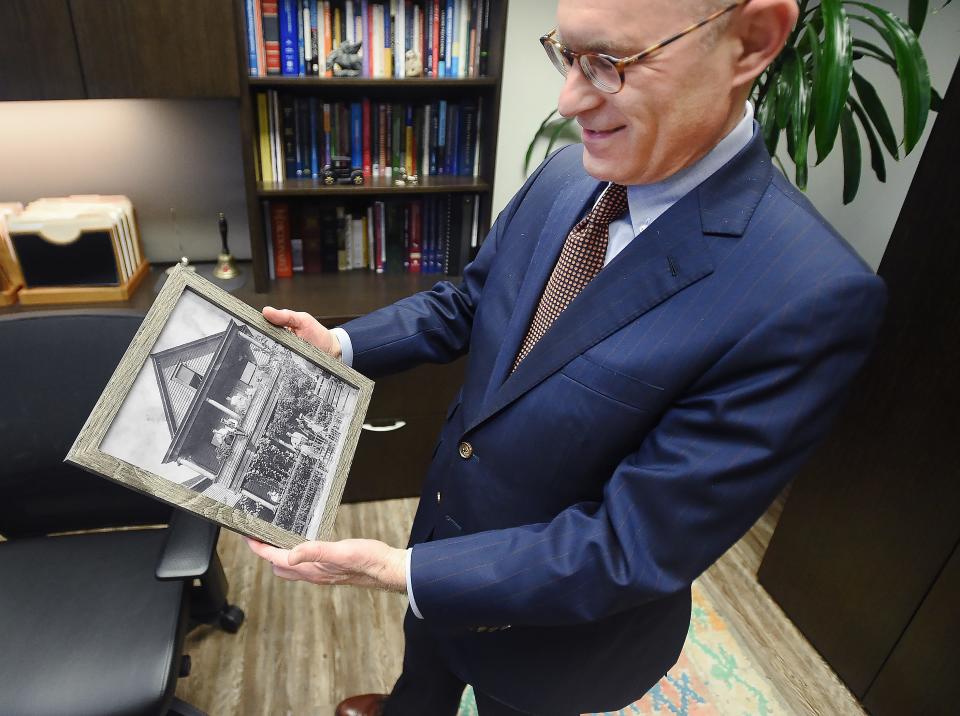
x: 659, y: 329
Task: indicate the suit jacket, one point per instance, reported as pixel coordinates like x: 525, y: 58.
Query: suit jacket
x: 646, y: 432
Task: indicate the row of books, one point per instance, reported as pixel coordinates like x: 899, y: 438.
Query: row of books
x: 397, y: 38
x: 434, y: 234
x: 299, y: 135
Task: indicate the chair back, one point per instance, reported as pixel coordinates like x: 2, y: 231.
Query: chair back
x: 54, y: 365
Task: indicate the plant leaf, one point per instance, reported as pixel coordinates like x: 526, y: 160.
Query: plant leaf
x: 852, y: 157
x: 533, y: 142
x: 935, y: 100
x: 768, y: 125
x: 876, y: 52
x: 831, y: 84
x: 878, y: 115
x: 561, y: 129
x: 876, y: 154
x: 786, y: 86
x: 917, y: 15
x: 911, y: 67
x: 798, y: 133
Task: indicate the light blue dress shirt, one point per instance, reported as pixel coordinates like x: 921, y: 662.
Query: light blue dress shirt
x: 645, y: 203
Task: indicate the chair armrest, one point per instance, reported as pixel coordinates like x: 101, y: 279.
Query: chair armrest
x: 189, y: 548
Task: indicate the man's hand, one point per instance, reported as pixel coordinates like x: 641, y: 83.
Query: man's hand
x: 306, y: 327
x: 358, y: 562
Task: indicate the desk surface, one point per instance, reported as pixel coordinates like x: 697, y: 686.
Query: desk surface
x: 333, y: 298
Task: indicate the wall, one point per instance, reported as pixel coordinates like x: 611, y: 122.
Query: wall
x: 531, y: 86
x: 163, y: 154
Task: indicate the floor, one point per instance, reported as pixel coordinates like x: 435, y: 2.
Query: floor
x: 304, y: 647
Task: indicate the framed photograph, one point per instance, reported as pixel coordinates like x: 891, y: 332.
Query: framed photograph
x: 216, y: 411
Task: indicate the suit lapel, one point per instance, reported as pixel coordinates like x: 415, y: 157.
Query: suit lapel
x: 573, y: 201
x: 669, y: 256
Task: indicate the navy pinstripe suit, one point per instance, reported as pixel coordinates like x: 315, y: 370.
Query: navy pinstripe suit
x: 644, y: 434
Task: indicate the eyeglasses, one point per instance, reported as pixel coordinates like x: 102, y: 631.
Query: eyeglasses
x: 606, y: 72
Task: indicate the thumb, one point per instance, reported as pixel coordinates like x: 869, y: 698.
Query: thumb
x: 306, y: 552
x: 281, y: 317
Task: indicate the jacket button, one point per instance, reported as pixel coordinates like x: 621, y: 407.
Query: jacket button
x: 466, y: 450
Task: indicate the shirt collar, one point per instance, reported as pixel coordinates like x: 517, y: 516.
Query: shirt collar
x: 648, y: 201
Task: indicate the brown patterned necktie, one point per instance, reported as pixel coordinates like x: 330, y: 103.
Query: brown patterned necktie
x: 580, y: 260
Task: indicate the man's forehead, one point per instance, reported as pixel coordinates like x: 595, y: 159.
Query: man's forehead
x: 614, y: 27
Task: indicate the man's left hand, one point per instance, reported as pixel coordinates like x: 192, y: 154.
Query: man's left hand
x: 358, y: 562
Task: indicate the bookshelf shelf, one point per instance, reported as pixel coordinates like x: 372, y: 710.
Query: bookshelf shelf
x: 326, y: 83
x: 374, y: 187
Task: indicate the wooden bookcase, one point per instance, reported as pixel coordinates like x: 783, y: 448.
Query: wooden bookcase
x: 486, y: 88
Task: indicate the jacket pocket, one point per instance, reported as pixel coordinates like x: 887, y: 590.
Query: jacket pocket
x: 614, y: 385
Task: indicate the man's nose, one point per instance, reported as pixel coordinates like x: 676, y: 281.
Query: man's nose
x: 578, y: 94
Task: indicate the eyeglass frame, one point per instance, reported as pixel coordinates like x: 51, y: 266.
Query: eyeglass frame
x: 620, y: 63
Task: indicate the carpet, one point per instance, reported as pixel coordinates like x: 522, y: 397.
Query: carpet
x: 713, y: 677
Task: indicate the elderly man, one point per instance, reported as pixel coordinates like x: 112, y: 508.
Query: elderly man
x: 659, y: 329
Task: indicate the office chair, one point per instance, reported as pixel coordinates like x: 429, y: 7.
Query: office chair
x: 92, y: 623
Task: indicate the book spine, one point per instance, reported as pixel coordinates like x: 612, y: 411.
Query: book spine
x: 280, y: 230
x: 453, y: 30
x: 288, y: 38
x: 410, y: 151
x: 289, y: 129
x: 327, y: 37
x: 303, y: 140
x: 271, y: 35
x: 443, y: 116
x: 450, y: 34
x: 387, y: 41
x: 365, y: 37
x: 268, y: 238
x: 348, y: 19
x: 370, y: 253
x: 251, y: 17
x: 356, y: 135
x: 485, y: 38
x: 337, y: 25
x: 263, y: 127
x: 399, y: 35
x: 314, y: 67
x: 301, y: 39
x: 388, y: 141
x: 306, y: 50
x: 416, y: 237
x: 327, y: 134
x: 367, y: 160
x: 464, y: 61
x: 428, y: 38
x: 468, y: 138
x: 474, y: 30
x: 314, y: 138
x: 442, y: 39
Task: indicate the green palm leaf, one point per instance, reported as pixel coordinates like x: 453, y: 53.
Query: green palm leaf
x: 876, y: 154
x: 852, y: 157
x: 917, y: 14
x: 911, y: 68
x: 878, y: 115
x: 831, y: 84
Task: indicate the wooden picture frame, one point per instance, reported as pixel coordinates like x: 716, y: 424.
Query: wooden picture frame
x: 227, y: 405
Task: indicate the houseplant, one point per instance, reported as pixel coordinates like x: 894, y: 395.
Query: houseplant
x: 813, y: 92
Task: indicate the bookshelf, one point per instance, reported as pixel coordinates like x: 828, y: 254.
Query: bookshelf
x: 486, y: 89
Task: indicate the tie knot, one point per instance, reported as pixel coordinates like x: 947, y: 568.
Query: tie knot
x: 611, y: 205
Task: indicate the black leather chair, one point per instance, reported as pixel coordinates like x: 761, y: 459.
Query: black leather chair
x: 92, y: 623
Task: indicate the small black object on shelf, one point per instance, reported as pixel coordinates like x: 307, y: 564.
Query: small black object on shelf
x: 339, y: 171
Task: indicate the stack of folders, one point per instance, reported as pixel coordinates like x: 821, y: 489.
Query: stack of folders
x: 77, y: 248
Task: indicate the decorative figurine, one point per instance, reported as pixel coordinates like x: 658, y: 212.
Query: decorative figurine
x: 339, y: 171
x: 226, y: 266
x: 184, y: 261
x: 346, y: 60
x: 413, y: 64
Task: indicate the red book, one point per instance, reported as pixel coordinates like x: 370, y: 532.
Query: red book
x: 280, y: 229
x: 367, y: 157
x: 416, y: 238
x: 327, y: 36
x: 270, y: 15
x: 382, y: 139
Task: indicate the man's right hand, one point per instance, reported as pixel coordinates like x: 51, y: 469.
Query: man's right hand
x: 306, y: 327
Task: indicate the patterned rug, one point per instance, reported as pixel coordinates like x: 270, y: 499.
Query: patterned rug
x: 713, y: 677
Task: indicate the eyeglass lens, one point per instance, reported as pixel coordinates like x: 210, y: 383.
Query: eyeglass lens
x: 602, y: 73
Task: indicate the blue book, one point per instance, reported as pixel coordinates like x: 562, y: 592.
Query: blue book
x: 453, y: 142
x: 356, y: 135
x: 441, y: 137
x: 301, y: 44
x: 314, y: 143
x: 451, y: 33
x: 288, y: 37
x: 252, y: 39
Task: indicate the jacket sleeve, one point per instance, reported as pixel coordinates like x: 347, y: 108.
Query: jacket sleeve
x: 431, y: 326
x: 695, y: 485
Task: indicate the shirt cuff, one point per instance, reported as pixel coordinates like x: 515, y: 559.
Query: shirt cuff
x: 413, y: 602
x: 346, y: 347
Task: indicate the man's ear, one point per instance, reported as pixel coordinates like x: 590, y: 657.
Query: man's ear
x: 762, y: 29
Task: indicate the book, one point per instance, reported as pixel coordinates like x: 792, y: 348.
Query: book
x: 289, y: 63
x: 280, y: 232
x: 251, y: 19
x: 271, y: 35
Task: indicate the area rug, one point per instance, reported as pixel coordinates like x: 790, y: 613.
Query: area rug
x: 713, y: 677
